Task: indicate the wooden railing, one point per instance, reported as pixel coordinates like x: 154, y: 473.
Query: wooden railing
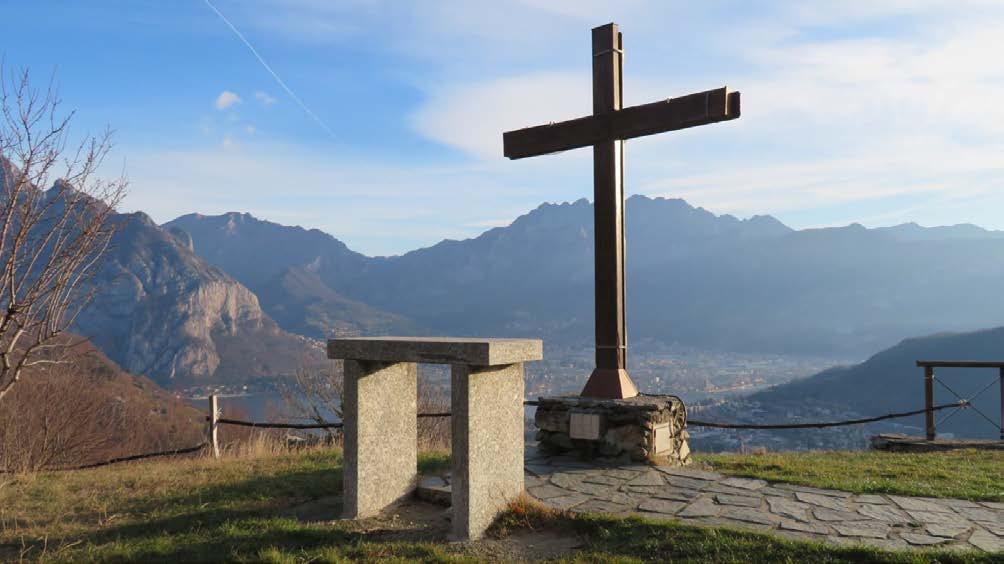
x: 929, y: 379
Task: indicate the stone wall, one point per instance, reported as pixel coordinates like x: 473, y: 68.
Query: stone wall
x: 644, y: 428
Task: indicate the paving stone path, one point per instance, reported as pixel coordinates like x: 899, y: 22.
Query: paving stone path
x: 701, y: 497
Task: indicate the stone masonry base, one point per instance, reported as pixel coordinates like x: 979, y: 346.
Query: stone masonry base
x: 643, y: 428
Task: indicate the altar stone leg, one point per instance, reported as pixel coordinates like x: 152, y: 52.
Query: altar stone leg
x: 487, y: 444
x: 381, y: 434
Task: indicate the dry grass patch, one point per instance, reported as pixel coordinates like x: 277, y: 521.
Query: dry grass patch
x: 526, y: 513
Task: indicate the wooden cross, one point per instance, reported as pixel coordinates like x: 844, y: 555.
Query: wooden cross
x: 606, y: 130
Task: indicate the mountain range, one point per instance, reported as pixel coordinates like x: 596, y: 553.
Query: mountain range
x: 204, y: 301
x: 694, y: 277
x: 159, y: 309
x: 232, y: 299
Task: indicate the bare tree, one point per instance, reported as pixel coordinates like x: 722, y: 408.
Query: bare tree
x: 51, y: 422
x: 314, y: 395
x: 84, y: 409
x: 55, y: 222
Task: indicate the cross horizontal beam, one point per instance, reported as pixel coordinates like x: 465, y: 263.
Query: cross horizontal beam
x: 692, y: 110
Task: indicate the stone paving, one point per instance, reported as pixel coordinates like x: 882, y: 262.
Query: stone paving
x: 700, y: 497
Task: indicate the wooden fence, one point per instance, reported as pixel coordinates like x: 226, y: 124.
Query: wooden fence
x: 930, y: 378
x: 215, y: 419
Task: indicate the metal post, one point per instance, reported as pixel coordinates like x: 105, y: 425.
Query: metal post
x: 214, y: 425
x: 1001, y: 381
x: 929, y: 401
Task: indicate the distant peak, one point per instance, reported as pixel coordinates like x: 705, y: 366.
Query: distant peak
x: 661, y: 200
x: 141, y: 217
x: 849, y: 228
x: 240, y: 216
x: 915, y: 231
x: 230, y: 215
x: 579, y: 202
x: 768, y: 220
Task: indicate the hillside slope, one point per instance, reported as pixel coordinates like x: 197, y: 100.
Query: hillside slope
x: 86, y: 409
x: 299, y: 301
x: 891, y: 381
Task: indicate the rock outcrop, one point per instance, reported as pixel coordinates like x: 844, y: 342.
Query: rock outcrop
x: 297, y: 273
x: 162, y: 311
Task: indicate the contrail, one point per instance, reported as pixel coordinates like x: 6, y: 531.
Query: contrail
x: 275, y: 75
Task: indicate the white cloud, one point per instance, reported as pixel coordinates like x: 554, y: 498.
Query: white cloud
x: 471, y: 118
x: 857, y: 123
x: 227, y: 99
x: 264, y: 98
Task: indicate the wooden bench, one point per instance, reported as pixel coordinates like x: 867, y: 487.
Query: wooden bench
x: 380, y: 414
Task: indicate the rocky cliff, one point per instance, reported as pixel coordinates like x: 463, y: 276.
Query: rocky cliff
x: 162, y: 311
x: 296, y: 272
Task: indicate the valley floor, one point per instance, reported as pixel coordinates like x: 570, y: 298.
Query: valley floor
x: 284, y: 508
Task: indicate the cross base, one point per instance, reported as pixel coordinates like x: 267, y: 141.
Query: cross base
x: 609, y: 383
x: 641, y: 429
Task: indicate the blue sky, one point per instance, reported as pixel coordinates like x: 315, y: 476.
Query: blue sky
x: 876, y: 112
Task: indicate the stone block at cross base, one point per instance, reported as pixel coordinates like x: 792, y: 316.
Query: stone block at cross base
x: 380, y: 408
x: 487, y: 404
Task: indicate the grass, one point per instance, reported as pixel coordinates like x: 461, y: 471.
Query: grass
x: 631, y: 539
x: 283, y: 508
x: 636, y: 539
x: 963, y: 474
x: 190, y: 510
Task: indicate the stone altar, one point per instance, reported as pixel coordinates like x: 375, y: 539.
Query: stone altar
x: 380, y: 415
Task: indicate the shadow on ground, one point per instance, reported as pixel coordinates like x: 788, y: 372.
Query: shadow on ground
x: 287, y: 514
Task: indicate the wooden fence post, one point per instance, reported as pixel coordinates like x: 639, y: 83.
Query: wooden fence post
x: 929, y: 401
x: 214, y: 425
x: 1002, y: 400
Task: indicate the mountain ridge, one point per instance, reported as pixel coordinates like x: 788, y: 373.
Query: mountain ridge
x: 694, y: 277
x: 904, y: 230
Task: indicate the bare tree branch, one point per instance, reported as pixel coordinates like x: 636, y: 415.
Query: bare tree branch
x: 57, y: 222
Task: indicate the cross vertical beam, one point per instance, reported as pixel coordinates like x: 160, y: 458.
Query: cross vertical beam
x: 610, y: 379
